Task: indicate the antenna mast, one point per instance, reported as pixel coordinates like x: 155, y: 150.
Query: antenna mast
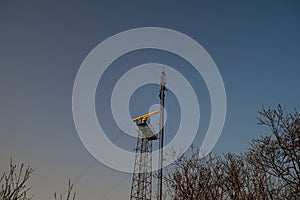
x: 161, y: 133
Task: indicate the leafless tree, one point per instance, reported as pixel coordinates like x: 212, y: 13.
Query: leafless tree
x: 68, y: 195
x: 269, y: 170
x: 14, y: 184
x: 217, y: 177
x: 192, y: 177
x: 278, y: 153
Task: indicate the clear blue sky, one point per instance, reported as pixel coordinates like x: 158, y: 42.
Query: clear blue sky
x: 255, y: 45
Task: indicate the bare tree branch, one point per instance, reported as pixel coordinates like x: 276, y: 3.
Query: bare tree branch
x: 14, y: 184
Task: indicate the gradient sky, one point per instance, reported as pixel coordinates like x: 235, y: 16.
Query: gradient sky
x: 255, y: 45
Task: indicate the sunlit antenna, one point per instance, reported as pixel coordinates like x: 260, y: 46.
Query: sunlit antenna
x: 141, y: 188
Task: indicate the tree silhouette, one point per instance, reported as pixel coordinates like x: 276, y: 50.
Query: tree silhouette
x: 278, y: 153
x: 69, y: 195
x: 14, y: 183
x: 269, y: 170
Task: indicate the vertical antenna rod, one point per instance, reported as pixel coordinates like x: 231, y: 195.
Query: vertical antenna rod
x: 161, y: 134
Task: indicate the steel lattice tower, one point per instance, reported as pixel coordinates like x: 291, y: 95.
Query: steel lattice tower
x: 141, y: 188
